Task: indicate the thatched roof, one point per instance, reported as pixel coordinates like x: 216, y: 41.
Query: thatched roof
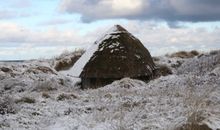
x: 118, y: 54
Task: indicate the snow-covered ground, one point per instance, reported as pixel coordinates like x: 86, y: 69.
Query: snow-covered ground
x: 33, y: 95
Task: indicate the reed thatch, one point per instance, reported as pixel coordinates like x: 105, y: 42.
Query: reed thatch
x: 119, y: 55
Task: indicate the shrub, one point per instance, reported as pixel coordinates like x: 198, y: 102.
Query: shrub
x: 47, y: 85
x: 7, y: 106
x: 4, y: 124
x: 194, y: 122
x: 193, y: 127
x: 67, y: 60
x: 35, y: 113
x: 26, y: 100
x: 194, y: 52
x: 177, y: 64
x: 40, y: 69
x: 196, y: 106
x: 45, y: 95
x: 5, y: 69
x: 64, y: 96
x: 78, y: 84
x: 184, y: 54
x: 162, y: 70
x: 155, y: 59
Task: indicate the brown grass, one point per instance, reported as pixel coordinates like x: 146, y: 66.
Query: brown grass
x: 7, y: 106
x: 25, y: 100
x: 197, y: 105
x: 5, y: 69
x: 44, y: 86
x: 64, y: 63
x: 194, y: 127
x: 45, y: 95
x: 185, y: 54
x: 162, y: 70
x: 65, y: 96
x: 40, y: 69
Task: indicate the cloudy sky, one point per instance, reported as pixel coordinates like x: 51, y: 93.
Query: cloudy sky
x: 45, y: 28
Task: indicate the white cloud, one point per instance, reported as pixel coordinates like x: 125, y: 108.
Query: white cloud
x: 21, y: 3
x: 158, y: 38
x: 14, y: 33
x: 57, y: 21
x: 161, y: 39
x: 12, y: 14
x: 23, y: 53
x: 6, y: 14
x: 169, y: 10
x: 98, y: 9
x: 124, y: 7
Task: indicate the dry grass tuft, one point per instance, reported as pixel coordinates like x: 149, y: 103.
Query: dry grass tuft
x: 7, y: 106
x: 45, y: 95
x: 194, y: 127
x: 47, y: 85
x: 196, y: 107
x: 65, y: 96
x: 5, y: 69
x: 26, y: 100
x: 39, y: 70
x: 67, y: 60
x: 184, y: 54
x: 162, y: 70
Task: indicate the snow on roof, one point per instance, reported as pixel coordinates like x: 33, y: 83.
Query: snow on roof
x: 79, y: 65
x: 116, y: 29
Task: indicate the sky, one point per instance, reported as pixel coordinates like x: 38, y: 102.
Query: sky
x: 32, y: 29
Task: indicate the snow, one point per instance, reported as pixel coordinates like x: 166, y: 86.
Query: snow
x: 115, y: 30
x: 163, y: 103
x: 76, y: 70
x: 138, y: 56
x: 114, y: 45
x: 115, y: 36
x: 79, y: 65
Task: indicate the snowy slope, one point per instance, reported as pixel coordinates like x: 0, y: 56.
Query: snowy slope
x: 58, y: 103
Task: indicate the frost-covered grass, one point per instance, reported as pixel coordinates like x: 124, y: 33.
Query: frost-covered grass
x: 49, y: 100
x: 66, y: 60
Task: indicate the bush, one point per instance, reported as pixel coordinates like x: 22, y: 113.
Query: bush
x: 67, y: 60
x: 194, y: 122
x: 7, y: 106
x: 39, y: 70
x: 184, y: 54
x: 193, y: 127
x: 64, y: 96
x: 196, y: 106
x: 78, y: 84
x: 4, y: 124
x: 177, y: 64
x: 47, y: 85
x: 155, y: 59
x: 26, y: 100
x: 162, y: 70
x: 194, y: 52
x: 45, y: 95
x: 5, y: 69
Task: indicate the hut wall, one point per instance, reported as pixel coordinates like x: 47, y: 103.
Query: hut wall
x: 144, y: 78
x: 92, y: 83
x: 95, y: 82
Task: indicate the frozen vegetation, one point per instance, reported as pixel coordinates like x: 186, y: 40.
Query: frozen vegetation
x: 33, y: 95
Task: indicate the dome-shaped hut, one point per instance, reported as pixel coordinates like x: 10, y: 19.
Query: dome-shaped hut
x: 116, y: 55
